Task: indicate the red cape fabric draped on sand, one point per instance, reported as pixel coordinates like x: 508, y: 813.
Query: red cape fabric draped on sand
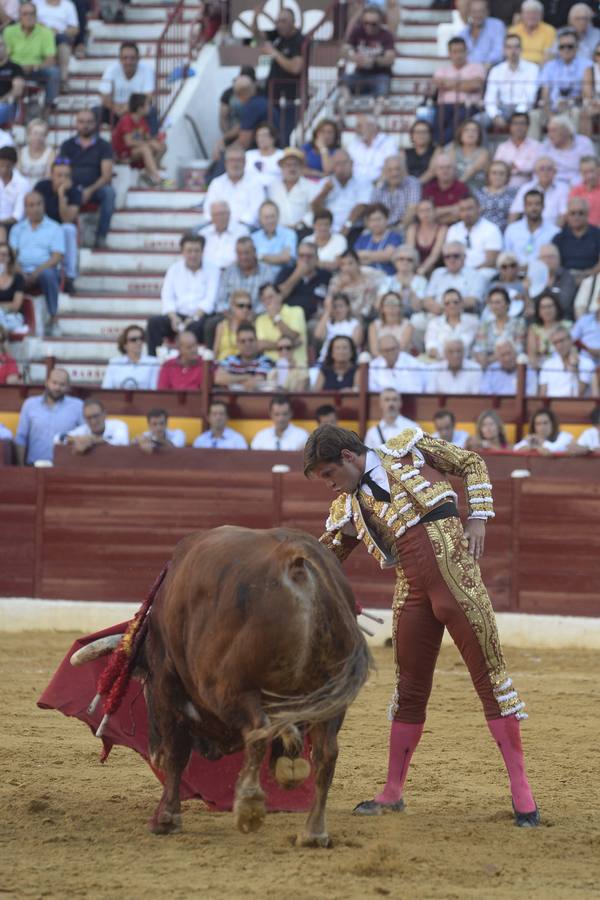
x: 73, y: 689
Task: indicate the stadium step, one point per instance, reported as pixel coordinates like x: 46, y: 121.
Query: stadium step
x: 149, y: 240
x: 103, y: 48
x: 109, y: 261
x: 128, y: 31
x: 162, y: 219
x: 73, y: 349
x: 148, y: 199
x: 83, y: 372
x: 136, y: 284
x: 94, y: 327
x: 108, y: 305
x: 149, y: 13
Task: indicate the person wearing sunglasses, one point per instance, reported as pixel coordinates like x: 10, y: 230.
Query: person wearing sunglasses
x: 561, y: 79
x: 455, y: 274
x: 132, y: 369
x: 240, y: 311
x: 370, y: 46
x: 96, y: 429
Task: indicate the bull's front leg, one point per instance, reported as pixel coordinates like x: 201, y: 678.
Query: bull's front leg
x: 325, y: 754
x: 170, y: 747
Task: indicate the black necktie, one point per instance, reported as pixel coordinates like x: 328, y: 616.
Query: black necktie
x: 378, y: 492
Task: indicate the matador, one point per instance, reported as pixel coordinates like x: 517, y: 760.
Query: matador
x: 398, y: 502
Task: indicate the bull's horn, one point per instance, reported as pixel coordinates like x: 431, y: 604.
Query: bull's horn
x: 96, y: 649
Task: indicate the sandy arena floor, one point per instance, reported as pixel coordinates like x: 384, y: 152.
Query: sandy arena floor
x: 72, y: 828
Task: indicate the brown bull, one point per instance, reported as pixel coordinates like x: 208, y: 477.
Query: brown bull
x: 252, y: 638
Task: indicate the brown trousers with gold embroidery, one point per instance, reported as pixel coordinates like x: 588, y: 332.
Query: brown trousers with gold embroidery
x: 439, y: 586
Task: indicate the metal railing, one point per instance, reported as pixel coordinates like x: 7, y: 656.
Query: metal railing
x: 172, y: 60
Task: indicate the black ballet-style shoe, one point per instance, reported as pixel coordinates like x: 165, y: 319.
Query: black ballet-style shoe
x: 373, y: 808
x: 527, y: 819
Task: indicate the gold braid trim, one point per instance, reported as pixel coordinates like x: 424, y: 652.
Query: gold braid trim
x: 461, y: 573
x: 401, y: 589
x: 340, y: 544
x: 464, y: 464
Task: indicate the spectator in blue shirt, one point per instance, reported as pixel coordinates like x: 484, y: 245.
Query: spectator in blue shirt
x: 39, y: 245
x: 500, y: 377
x: 561, y: 79
x: 219, y: 436
x: 586, y: 331
x: 275, y: 245
x: 252, y: 109
x: 484, y: 35
x: 378, y: 243
x: 44, y: 417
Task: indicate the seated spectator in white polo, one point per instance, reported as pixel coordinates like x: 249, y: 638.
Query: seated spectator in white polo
x: 545, y: 436
x: 511, y: 86
x: 239, y: 187
x: 501, y: 376
x: 329, y: 246
x: 275, y: 245
x: 391, y: 422
x: 446, y: 430
x: 219, y: 436
x: 567, y: 372
x: 396, y: 369
x: 293, y: 193
x: 590, y: 438
x: 370, y: 148
x: 96, y: 429
x: 398, y: 191
x: 524, y: 237
x: 470, y: 283
x: 132, y: 369
x: 453, y: 324
x: 44, y: 416
x: 343, y: 194
x: 188, y: 294
x: 482, y: 239
x: 456, y: 374
x: 220, y: 235
x: 554, y: 192
x: 159, y: 434
x: 566, y: 148
x: 282, y: 434
x: 13, y: 188
x: 247, y: 369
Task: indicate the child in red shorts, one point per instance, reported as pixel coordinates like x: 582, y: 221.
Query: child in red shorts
x: 133, y: 143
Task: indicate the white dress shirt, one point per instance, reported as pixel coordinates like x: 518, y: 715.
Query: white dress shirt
x: 243, y: 197
x: 293, y: 438
x: 439, y: 331
x: 368, y: 159
x: 407, y: 376
x: 123, y: 374
x: 562, y: 382
x: 374, y: 439
x: 335, y: 246
x: 466, y: 381
x: 558, y: 445
x: 294, y: 204
x: 555, y: 199
x: 468, y: 282
x: 266, y: 168
x: 229, y: 440
x: 341, y: 199
x: 376, y: 472
x: 121, y: 88
x: 220, y: 245
x: 115, y: 432
x: 508, y: 87
x: 57, y: 18
x: 12, y: 197
x: 185, y: 292
x: 484, y: 235
x: 590, y: 438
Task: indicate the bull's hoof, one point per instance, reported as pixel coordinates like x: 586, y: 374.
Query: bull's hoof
x: 165, y: 823
x: 289, y: 773
x: 313, y: 840
x: 373, y: 808
x: 249, y: 813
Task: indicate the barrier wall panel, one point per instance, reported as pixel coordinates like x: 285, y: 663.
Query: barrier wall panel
x: 18, y: 494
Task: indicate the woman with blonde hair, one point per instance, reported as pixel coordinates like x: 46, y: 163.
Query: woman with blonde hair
x: 240, y: 310
x: 391, y: 320
x: 36, y: 156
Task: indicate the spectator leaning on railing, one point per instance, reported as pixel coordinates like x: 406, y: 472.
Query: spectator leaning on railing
x: 489, y: 433
x: 96, y: 429
x: 45, y: 416
x: 159, y: 434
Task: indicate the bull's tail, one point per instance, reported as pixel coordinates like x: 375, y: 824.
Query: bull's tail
x: 327, y: 702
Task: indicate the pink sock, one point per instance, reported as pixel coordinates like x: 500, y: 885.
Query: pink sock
x: 404, y: 738
x: 507, y: 734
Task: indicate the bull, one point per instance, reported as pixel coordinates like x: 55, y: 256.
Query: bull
x: 252, y: 642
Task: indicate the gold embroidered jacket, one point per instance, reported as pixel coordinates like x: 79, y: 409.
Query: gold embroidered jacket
x: 412, y: 495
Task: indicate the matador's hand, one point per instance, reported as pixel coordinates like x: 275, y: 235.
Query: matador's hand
x: 475, y: 535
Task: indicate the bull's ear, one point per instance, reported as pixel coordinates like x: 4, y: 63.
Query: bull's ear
x: 297, y: 569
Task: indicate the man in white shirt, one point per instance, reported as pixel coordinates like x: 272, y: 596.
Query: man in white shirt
x: 456, y: 375
x: 239, y: 188
x: 370, y: 149
x: 470, y: 283
x: 524, y: 237
x: 555, y: 193
x: 97, y: 429
x: 482, y: 239
x: 13, y: 188
x: 445, y: 423
x: 159, y: 434
x: 219, y: 436
x: 511, y: 85
x: 566, y: 373
x: 282, y: 435
x: 220, y: 236
x: 395, y: 369
x: 391, y: 422
x: 188, y: 295
x: 60, y: 16
x: 343, y: 194
x: 519, y: 152
x: 589, y: 439
x: 293, y: 193
x: 454, y: 324
x: 121, y: 79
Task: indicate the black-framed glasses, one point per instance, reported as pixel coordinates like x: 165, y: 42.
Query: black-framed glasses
x: 567, y: 46
x: 284, y: 347
x: 512, y: 265
x: 135, y: 339
x: 243, y: 306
